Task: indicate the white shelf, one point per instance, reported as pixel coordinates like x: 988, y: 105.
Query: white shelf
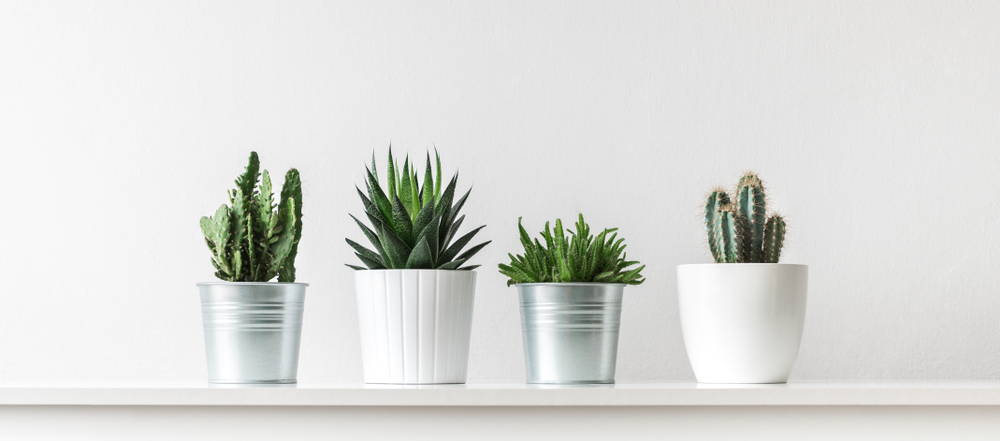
x: 669, y: 394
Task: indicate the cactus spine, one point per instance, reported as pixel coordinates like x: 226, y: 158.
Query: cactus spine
x: 252, y: 239
x: 742, y: 232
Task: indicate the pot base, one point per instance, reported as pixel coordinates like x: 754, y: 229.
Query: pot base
x: 723, y: 383
x: 570, y: 383
x: 415, y: 383
x: 292, y: 381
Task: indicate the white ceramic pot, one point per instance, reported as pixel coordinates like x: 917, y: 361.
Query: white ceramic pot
x: 742, y: 322
x: 415, y: 325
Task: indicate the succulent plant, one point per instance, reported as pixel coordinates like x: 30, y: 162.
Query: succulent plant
x: 741, y: 232
x: 579, y: 257
x: 251, y: 238
x: 413, y: 225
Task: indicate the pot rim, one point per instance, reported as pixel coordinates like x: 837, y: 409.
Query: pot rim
x: 222, y: 282
x: 412, y: 269
x: 745, y: 264
x: 570, y: 284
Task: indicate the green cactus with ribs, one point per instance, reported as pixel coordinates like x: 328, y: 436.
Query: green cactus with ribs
x: 252, y: 239
x: 740, y: 231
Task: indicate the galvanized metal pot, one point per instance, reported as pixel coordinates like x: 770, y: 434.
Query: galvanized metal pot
x: 570, y: 331
x: 415, y: 324
x: 252, y: 331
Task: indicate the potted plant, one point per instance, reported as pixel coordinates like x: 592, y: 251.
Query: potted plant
x: 252, y: 325
x: 416, y: 289
x: 570, y: 290
x: 742, y: 316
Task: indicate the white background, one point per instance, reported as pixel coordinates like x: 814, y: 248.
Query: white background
x: 876, y: 126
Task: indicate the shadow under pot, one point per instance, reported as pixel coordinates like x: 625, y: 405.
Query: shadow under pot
x: 252, y: 331
x: 415, y: 324
x: 742, y: 322
x: 570, y: 331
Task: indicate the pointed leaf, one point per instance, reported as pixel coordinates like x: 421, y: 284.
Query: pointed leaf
x: 420, y: 257
x: 472, y: 251
x: 391, y: 178
x: 365, y: 252
x: 401, y: 221
x: 456, y: 247
x: 405, y: 195
x: 427, y: 189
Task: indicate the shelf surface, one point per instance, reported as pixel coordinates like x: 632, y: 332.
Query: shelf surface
x: 662, y: 394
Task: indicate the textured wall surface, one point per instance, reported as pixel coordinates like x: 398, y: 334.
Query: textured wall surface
x: 876, y: 126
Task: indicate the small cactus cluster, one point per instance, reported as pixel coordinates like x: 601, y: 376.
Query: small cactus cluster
x: 741, y: 232
x: 252, y: 239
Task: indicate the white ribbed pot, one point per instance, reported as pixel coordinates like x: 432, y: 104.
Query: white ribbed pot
x: 742, y: 322
x: 415, y: 325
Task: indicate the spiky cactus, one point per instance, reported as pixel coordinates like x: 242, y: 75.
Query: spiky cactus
x: 741, y: 232
x: 252, y: 239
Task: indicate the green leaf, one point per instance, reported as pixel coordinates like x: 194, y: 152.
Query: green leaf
x: 460, y: 243
x: 365, y: 252
x: 378, y: 197
x: 472, y: 251
x: 414, y: 205
x: 217, y: 231
x: 449, y: 231
x: 372, y: 237
x: 420, y: 257
x: 369, y: 262
x: 405, y: 194
x: 283, y: 247
x: 427, y: 196
x: 444, y: 205
x: 291, y: 194
x: 396, y: 251
x: 401, y: 221
x: 437, y: 180
x: 454, y: 264
x: 391, y: 178
x: 424, y: 217
x: 430, y: 235
x: 248, y: 180
x: 453, y: 212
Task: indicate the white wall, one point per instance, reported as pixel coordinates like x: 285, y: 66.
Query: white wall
x: 876, y: 126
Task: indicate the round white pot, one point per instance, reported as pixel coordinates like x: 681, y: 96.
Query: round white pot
x: 742, y: 322
x: 415, y: 325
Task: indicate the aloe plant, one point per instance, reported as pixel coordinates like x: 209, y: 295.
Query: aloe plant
x: 741, y: 232
x: 576, y: 257
x: 414, y: 224
x: 252, y: 239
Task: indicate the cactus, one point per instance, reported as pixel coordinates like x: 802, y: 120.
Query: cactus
x: 774, y: 238
x: 742, y: 232
x: 750, y: 200
x: 716, y: 199
x: 252, y: 239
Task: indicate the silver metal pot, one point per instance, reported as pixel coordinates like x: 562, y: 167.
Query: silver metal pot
x: 570, y: 331
x: 252, y: 331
